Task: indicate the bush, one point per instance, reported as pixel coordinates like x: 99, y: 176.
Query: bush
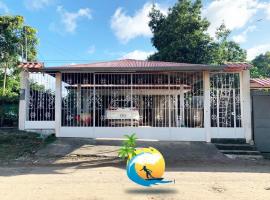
x: 9, y: 111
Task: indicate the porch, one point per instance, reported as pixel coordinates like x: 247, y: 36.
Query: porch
x: 175, y: 103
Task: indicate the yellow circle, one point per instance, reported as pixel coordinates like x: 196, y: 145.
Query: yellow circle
x: 151, y: 160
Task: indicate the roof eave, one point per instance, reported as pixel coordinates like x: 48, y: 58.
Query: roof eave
x: 134, y: 69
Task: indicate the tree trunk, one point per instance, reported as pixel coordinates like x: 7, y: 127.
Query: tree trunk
x: 5, y: 80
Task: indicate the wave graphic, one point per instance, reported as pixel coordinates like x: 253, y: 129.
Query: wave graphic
x: 132, y: 174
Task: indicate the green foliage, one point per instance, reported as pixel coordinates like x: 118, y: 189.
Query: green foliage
x: 13, y: 36
x: 225, y: 50
x: 127, y: 151
x: 182, y: 36
x: 261, y: 66
x: 9, y: 106
x: 37, y: 87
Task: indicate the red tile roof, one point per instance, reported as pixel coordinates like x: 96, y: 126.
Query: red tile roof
x: 32, y: 65
x: 237, y: 66
x: 260, y: 83
x: 129, y: 63
x: 139, y: 64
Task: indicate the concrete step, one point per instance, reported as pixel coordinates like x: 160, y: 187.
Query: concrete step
x: 246, y: 157
x: 240, y: 152
x: 245, y: 147
x: 228, y: 140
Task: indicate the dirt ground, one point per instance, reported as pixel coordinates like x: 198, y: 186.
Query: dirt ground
x: 83, y: 182
x: 91, y: 170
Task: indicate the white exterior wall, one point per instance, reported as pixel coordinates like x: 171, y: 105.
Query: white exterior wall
x: 58, y: 104
x: 246, y: 105
x: 23, y: 99
x: 162, y: 133
x: 207, y: 121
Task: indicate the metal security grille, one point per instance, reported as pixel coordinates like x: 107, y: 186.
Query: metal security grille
x: 77, y: 99
x: 187, y: 99
x: 41, y: 102
x: 225, y: 100
x: 138, y: 99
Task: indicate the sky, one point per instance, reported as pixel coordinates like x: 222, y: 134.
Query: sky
x: 85, y: 31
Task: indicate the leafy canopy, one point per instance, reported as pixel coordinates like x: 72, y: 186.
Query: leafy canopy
x: 261, y: 66
x: 181, y: 36
x: 14, y: 35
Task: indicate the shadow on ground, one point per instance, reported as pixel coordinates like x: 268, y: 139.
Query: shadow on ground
x: 151, y: 191
x: 88, y: 153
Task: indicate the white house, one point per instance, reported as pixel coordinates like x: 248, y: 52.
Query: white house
x: 155, y: 100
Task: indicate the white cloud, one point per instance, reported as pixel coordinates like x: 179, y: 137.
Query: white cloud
x: 266, y: 7
x: 267, y: 11
x: 128, y: 27
x: 147, y: 158
x: 70, y: 19
x: 4, y: 7
x: 137, y: 55
x: 257, y: 50
x: 37, y: 4
x: 91, y: 49
x: 235, y: 14
x: 242, y: 37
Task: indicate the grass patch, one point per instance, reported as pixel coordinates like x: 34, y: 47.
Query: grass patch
x: 15, y: 143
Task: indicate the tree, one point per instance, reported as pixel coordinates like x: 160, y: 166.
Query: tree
x: 227, y: 51
x: 261, y: 66
x: 182, y: 36
x: 15, y: 38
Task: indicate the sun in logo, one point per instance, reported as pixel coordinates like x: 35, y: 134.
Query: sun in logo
x: 146, y: 167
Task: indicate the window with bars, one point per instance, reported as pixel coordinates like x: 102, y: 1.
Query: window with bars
x: 143, y: 99
x: 225, y: 100
x: 41, y: 102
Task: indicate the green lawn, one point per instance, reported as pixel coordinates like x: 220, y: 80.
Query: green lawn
x: 15, y: 143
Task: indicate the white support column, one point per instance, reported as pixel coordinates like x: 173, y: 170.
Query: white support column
x: 246, y: 104
x: 24, y: 96
x: 176, y: 111
x: 207, y: 114
x: 79, y: 100
x: 182, y: 106
x: 169, y: 103
x: 94, y: 104
x: 131, y: 96
x: 58, y: 103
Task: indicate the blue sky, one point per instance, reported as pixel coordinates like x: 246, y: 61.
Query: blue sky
x: 85, y: 31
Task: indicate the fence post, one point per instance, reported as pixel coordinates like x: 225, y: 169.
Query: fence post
x: 58, y: 103
x: 207, y: 121
x: 24, y: 96
x: 246, y: 105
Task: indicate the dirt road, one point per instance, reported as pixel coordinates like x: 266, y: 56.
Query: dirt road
x: 85, y: 182
x: 70, y: 169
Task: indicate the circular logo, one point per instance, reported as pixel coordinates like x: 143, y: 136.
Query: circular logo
x: 146, y: 167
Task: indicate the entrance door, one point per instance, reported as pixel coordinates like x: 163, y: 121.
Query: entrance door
x: 261, y: 120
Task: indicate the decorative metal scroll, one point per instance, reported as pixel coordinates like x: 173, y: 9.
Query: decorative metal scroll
x: 225, y: 100
x: 78, y: 99
x: 138, y: 99
x: 41, y: 97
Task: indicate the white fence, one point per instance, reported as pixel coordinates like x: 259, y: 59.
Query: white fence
x: 159, y: 104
